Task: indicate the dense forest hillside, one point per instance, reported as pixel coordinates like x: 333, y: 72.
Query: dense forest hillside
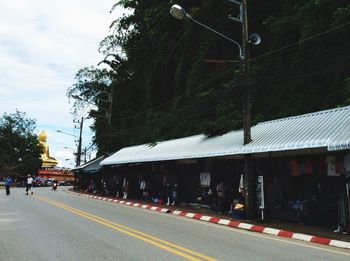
x: 164, y: 83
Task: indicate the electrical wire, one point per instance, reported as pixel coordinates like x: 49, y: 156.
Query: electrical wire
x: 254, y: 59
x: 287, y: 75
x: 300, y: 41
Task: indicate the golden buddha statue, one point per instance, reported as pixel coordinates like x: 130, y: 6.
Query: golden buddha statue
x: 45, y: 155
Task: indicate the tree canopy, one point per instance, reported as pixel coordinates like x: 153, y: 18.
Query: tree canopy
x: 20, y: 148
x: 164, y: 87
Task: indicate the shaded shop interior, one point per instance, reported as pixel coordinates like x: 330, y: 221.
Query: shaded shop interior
x: 305, y: 171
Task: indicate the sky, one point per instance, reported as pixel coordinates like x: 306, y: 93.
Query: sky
x: 43, y: 43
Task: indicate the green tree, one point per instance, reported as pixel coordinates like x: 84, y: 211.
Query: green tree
x: 164, y: 88
x: 20, y: 148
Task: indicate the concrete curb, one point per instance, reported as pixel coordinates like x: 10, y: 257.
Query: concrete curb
x: 265, y: 230
x: 227, y: 222
x: 125, y: 202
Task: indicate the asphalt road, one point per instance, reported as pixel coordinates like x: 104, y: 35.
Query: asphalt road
x: 56, y: 225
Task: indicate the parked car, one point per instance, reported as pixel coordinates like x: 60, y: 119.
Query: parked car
x: 39, y: 182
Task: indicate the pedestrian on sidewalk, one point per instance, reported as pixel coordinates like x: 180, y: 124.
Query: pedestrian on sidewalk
x: 29, y: 185
x: 8, y: 183
x: 342, y: 214
x: 125, y: 188
x: 221, y: 192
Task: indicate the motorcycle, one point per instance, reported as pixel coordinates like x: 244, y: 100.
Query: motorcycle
x: 54, y: 186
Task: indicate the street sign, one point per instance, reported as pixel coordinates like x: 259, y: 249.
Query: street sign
x: 260, y: 195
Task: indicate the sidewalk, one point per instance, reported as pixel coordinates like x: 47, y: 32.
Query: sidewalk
x: 302, y: 232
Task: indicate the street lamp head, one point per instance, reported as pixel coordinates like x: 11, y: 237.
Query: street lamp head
x: 68, y: 148
x: 255, y: 39
x: 76, y: 97
x: 66, y: 133
x: 178, y: 12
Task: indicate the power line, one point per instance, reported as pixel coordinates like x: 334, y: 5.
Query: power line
x: 300, y: 41
x: 253, y: 59
x: 200, y: 86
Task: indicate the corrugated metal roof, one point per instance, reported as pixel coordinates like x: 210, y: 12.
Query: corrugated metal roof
x: 329, y: 129
x: 312, y: 130
x: 198, y: 146
x: 91, y: 166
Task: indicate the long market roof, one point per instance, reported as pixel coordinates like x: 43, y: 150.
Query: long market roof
x: 328, y: 129
x: 91, y: 166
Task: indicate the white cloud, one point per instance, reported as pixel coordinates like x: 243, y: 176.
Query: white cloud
x: 42, y: 45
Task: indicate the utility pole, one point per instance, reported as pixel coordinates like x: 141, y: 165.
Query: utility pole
x: 249, y: 180
x: 110, y: 99
x: 79, y: 142
x: 245, y: 72
x: 84, y: 154
x: 110, y: 106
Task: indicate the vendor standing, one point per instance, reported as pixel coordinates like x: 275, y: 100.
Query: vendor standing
x: 8, y: 183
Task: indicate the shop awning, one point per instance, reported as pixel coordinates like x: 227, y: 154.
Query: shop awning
x: 198, y: 146
x: 329, y: 129
x: 91, y: 166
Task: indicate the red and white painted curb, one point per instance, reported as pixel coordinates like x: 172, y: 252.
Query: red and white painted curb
x: 229, y: 223
x: 265, y: 230
x: 125, y: 202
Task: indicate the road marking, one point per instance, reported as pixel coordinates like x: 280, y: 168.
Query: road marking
x: 270, y: 236
x: 265, y: 236
x: 165, y: 245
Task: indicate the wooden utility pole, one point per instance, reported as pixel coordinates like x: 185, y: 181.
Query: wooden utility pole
x: 245, y: 73
x: 79, y: 143
x: 249, y: 180
x: 110, y: 99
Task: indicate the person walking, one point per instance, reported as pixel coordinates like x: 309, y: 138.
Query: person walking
x: 8, y: 183
x: 29, y: 185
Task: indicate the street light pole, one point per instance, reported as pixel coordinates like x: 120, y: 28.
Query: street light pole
x: 249, y: 180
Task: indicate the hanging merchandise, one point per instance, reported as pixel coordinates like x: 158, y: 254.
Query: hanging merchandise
x: 330, y: 160
x: 307, y: 166
x: 241, y: 185
x: 339, y: 166
x: 347, y: 166
x: 205, y: 179
x: 294, y: 168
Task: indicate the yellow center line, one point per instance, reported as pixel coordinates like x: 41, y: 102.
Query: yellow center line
x: 163, y: 244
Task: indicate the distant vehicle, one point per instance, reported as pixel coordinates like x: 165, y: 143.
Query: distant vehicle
x: 54, y: 186
x: 49, y: 182
x: 39, y: 182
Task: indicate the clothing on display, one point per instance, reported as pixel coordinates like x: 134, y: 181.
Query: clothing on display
x: 330, y: 160
x: 205, y: 179
x: 143, y: 184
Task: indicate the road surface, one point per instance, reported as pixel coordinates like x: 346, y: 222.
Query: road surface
x: 56, y: 225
